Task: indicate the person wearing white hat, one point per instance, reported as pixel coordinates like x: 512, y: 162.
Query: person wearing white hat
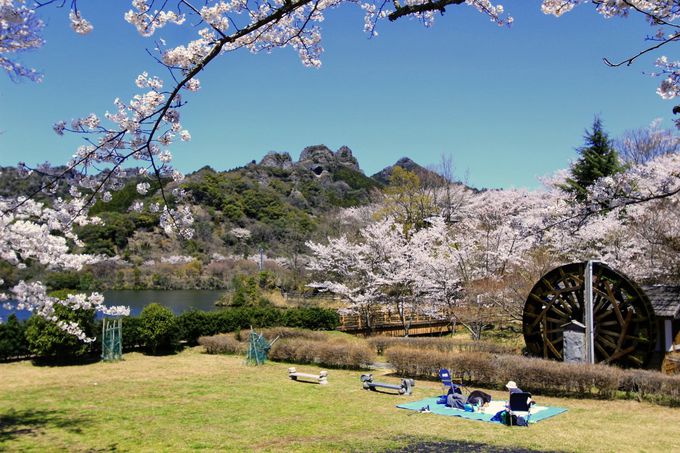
x: 512, y: 387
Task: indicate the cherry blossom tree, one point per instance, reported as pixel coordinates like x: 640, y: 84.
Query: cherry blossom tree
x: 377, y: 273
x: 349, y: 269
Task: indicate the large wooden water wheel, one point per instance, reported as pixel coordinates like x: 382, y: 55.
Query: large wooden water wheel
x: 625, y: 326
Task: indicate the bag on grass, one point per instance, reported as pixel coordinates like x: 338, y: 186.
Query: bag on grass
x: 478, y: 398
x: 455, y: 401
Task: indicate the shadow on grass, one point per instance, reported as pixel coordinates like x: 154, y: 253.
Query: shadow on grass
x: 66, y: 360
x: 454, y: 446
x: 14, y: 424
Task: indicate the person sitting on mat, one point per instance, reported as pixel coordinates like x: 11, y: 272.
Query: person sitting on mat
x: 512, y: 388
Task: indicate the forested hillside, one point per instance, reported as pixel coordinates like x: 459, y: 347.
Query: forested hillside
x: 270, y: 208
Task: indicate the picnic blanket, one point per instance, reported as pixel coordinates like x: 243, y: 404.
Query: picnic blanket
x: 538, y: 413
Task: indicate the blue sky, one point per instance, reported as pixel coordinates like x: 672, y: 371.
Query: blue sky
x: 508, y: 105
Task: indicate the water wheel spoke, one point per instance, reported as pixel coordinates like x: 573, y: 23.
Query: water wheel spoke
x: 556, y: 320
x: 603, y: 315
x: 538, y: 299
x: 606, y: 341
x: 611, y: 333
x: 635, y: 359
x: 560, y: 291
x: 620, y: 353
x: 602, y: 351
x: 558, y: 330
x: 638, y: 339
x: 624, y: 329
x: 543, y: 315
x: 552, y: 347
x: 558, y: 312
x: 615, y: 304
x: 602, y: 303
x: 564, y: 304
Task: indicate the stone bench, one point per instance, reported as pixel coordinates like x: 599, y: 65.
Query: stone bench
x: 406, y: 386
x: 321, y: 378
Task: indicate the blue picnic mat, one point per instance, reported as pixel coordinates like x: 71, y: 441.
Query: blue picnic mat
x: 441, y: 409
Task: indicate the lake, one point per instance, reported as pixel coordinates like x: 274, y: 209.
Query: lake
x: 178, y: 301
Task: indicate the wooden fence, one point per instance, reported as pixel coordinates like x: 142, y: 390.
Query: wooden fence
x: 390, y: 324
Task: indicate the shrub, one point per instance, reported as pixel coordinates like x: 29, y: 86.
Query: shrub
x: 193, y: 324
x: 132, y: 337
x: 445, y: 344
x: 47, y: 340
x: 423, y: 363
x: 311, y: 318
x: 546, y: 377
x: 290, y: 332
x: 13, y: 338
x: 332, y: 354
x: 158, y: 329
x: 222, y: 344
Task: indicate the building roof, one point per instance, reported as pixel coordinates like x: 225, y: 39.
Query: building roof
x: 664, y: 299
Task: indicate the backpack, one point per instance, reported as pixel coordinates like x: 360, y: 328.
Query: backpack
x: 510, y: 419
x: 478, y: 398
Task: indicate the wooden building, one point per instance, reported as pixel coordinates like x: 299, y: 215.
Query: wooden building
x: 666, y: 303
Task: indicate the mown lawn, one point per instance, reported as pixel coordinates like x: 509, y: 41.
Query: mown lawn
x: 194, y: 401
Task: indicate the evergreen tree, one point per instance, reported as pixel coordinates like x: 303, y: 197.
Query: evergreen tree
x: 598, y: 159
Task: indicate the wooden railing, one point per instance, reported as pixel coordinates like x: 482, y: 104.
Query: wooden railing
x: 390, y: 324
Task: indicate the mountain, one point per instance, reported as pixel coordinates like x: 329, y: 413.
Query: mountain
x: 426, y: 176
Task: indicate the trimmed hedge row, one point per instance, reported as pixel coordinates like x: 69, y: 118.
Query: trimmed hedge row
x: 297, y: 346
x: 223, y: 343
x: 539, y: 376
x: 333, y: 354
x: 446, y: 344
x: 237, y: 342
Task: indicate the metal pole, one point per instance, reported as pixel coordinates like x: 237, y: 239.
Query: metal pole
x: 588, y: 309
x: 261, y: 258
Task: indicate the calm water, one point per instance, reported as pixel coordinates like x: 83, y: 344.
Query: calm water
x: 178, y: 301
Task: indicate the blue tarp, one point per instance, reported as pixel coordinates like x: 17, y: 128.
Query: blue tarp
x: 538, y: 413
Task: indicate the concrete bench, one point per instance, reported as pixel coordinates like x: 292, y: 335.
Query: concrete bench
x: 321, y: 378
x: 406, y: 386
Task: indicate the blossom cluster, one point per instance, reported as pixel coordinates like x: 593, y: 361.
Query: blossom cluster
x: 33, y: 296
x: 20, y: 31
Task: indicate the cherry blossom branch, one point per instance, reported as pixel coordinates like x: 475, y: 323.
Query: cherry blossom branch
x: 437, y: 5
x: 629, y: 61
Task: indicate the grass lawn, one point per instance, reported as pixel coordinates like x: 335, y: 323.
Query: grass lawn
x: 193, y: 401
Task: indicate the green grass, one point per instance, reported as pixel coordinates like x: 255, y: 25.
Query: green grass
x: 195, y: 401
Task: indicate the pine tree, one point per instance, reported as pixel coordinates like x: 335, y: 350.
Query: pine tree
x: 598, y: 159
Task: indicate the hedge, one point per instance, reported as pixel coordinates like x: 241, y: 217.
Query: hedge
x: 13, y: 342
x: 195, y: 324
x: 137, y: 334
x: 445, y: 344
x: 539, y: 376
x: 222, y: 344
x: 297, y: 346
x: 335, y: 353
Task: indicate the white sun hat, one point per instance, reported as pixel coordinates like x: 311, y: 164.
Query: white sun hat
x: 511, y: 385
